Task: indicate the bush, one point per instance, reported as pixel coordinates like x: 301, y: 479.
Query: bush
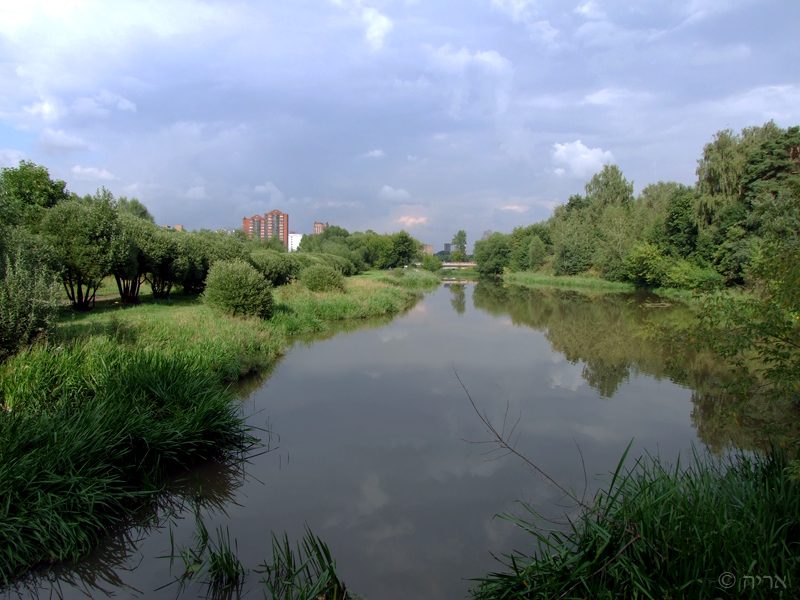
x: 685, y: 275
x: 278, y: 268
x: 645, y: 265
x: 28, y: 304
x: 237, y: 288
x: 322, y: 278
x: 431, y: 263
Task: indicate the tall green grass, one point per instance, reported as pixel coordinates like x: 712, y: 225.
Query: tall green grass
x: 306, y: 572
x: 410, y: 279
x: 88, y: 432
x: 659, y: 531
x: 533, y: 279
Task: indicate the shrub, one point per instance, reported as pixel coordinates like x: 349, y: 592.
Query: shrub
x: 322, y: 278
x: 431, y: 263
x: 277, y: 267
x: 237, y: 288
x: 685, y: 275
x: 645, y: 264
x: 28, y: 304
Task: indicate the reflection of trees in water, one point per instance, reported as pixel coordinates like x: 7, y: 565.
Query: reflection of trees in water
x: 459, y: 299
x: 618, y: 335
x: 99, y: 573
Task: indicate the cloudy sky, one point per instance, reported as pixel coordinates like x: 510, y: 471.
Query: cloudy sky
x: 425, y: 115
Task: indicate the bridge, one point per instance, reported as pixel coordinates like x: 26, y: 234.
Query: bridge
x: 459, y: 265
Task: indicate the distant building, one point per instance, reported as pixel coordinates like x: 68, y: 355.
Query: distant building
x: 447, y: 247
x: 273, y: 224
x: 294, y: 241
x: 278, y: 226
x: 255, y: 227
x: 176, y: 228
x: 428, y: 249
x: 320, y: 227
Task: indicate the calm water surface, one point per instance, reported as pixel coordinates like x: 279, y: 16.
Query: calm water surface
x: 374, y: 442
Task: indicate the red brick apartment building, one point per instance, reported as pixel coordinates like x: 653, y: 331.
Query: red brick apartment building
x: 319, y: 227
x: 273, y: 224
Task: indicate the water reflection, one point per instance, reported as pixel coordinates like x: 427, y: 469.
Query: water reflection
x: 209, y: 487
x: 616, y: 336
x: 459, y: 299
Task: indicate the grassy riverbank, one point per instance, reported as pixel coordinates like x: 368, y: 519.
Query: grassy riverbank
x: 410, y: 279
x: 534, y: 279
x: 707, y: 530
x: 94, y: 422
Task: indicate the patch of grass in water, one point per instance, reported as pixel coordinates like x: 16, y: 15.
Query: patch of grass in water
x: 660, y: 531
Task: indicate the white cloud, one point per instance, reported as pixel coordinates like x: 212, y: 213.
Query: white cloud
x: 778, y: 102
x: 590, y: 10
x: 101, y: 104
x: 45, y: 109
x: 519, y: 10
x: 92, y: 174
x: 275, y: 195
x: 389, y: 193
x: 613, y: 96
x: 374, y: 154
x: 410, y: 221
x: 576, y: 160
x: 515, y: 208
x: 378, y: 27
x: 10, y: 158
x: 60, y: 142
x: 197, y: 192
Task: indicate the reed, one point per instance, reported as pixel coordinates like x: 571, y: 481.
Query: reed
x: 660, y: 531
x: 306, y: 572
x: 89, y: 432
x: 533, y: 279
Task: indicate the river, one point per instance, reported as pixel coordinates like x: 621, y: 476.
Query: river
x: 376, y: 447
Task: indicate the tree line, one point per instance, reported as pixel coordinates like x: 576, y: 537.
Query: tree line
x: 670, y: 235
x: 51, y: 238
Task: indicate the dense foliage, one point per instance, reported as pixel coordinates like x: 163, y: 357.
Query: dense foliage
x: 237, y: 288
x: 322, y: 278
x: 670, y: 235
x: 28, y: 303
x: 364, y: 250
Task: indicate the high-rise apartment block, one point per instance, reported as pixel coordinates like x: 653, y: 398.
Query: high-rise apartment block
x: 273, y: 224
x: 319, y: 227
x: 255, y: 227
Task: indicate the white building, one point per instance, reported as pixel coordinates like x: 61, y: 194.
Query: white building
x: 294, y: 241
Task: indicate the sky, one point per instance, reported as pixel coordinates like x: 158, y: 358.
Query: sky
x: 423, y: 115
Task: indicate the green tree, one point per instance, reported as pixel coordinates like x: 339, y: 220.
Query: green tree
x: 87, y: 238
x: 134, y: 208
x: 608, y: 187
x: 537, y: 252
x: 573, y: 245
x: 431, y: 263
x: 26, y: 192
x: 459, y: 243
x: 492, y: 254
x: 405, y: 248
x: 765, y: 325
